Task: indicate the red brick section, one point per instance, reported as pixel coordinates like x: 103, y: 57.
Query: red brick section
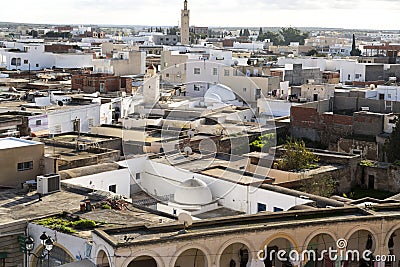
x: 303, y: 117
x: 380, y: 82
x: 309, y: 118
x: 90, y: 83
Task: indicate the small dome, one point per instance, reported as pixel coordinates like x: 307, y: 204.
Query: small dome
x: 193, y: 192
x: 219, y: 93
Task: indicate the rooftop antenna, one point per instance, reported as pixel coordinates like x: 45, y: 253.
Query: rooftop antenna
x: 185, y: 219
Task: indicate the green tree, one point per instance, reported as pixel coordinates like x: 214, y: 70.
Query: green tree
x: 172, y: 31
x: 274, y: 37
x: 264, y: 142
x: 312, y: 52
x: 324, y: 186
x: 293, y: 35
x: 296, y: 157
x: 355, y: 51
x: 393, y: 144
x: 52, y: 34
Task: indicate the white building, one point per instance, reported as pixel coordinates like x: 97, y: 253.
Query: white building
x: 30, y: 55
x: 388, y: 92
x: 66, y: 119
x: 122, y: 63
x: 253, y: 46
x: 192, y: 193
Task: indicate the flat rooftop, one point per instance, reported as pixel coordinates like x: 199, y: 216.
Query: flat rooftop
x: 83, y: 138
x: 11, y: 142
x: 17, y: 205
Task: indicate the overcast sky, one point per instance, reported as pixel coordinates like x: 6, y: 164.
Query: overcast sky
x: 363, y: 14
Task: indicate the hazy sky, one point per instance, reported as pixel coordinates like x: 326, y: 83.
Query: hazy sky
x: 366, y: 14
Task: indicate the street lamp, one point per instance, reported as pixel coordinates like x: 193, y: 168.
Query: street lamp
x: 47, y: 243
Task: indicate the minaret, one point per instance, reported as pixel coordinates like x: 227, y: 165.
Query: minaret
x: 185, y: 15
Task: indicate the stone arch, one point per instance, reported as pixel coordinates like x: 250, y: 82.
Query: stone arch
x: 145, y: 253
x: 281, y: 239
x: 69, y: 257
x: 357, y: 239
x: 395, y: 230
x: 283, y: 236
x: 143, y: 260
x: 389, y: 233
x: 105, y: 250
x: 364, y: 228
x: 232, y: 242
x: 102, y: 259
x: 187, y: 247
x: 315, y: 251
x: 315, y: 234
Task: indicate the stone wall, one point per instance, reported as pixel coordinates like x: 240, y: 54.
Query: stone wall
x: 381, y: 178
x: 9, y: 243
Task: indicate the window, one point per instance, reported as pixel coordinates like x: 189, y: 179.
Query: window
x: 16, y: 61
x: 357, y: 76
x: 37, y: 65
x: 196, y: 88
x: 137, y: 176
x: 261, y: 207
x: 90, y: 122
x: 174, y: 211
x: 389, y: 95
x: 20, y: 166
x: 25, y: 166
x: 167, y: 75
x: 215, y: 71
x: 28, y: 165
x: 348, y: 77
x: 276, y: 209
x: 226, y: 72
x: 26, y: 61
x: 258, y: 93
x: 196, y: 71
x: 112, y: 188
x: 244, y: 90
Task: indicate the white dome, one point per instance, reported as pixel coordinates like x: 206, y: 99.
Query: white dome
x: 193, y: 192
x: 219, y: 93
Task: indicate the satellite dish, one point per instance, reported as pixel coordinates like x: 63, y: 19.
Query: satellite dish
x: 188, y: 151
x: 190, y: 133
x: 186, y: 220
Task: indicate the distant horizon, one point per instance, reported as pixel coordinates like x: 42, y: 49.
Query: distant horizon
x: 336, y: 14
x: 212, y: 27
